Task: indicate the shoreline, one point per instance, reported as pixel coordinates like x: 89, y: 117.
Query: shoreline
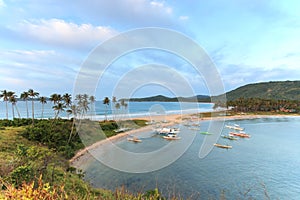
x: 171, y: 120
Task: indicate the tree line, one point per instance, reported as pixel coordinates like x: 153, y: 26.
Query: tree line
x: 259, y: 104
x: 61, y: 103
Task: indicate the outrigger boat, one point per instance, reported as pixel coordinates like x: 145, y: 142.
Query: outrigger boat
x: 171, y: 137
x: 134, y: 139
x: 229, y: 137
x: 223, y: 146
x: 166, y: 131
x: 240, y: 134
x: 235, y: 127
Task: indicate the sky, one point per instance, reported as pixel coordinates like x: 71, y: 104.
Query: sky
x: 45, y: 44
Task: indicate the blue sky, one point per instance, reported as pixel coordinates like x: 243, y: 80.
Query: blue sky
x: 44, y: 43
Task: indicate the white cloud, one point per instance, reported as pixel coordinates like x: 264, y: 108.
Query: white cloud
x: 183, y: 18
x: 128, y: 13
x: 2, y: 4
x: 61, y: 33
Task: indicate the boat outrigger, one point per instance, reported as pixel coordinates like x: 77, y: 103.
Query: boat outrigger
x: 223, y: 146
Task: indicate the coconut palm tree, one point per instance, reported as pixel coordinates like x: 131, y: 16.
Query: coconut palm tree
x: 74, y: 111
x: 92, y: 100
x: 106, y: 102
x: 32, y: 95
x: 117, y: 106
x: 43, y: 101
x: 25, y: 97
x: 5, y: 95
x: 59, y: 107
x: 12, y: 100
x: 67, y: 98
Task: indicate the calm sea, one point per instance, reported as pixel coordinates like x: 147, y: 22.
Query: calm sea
x: 265, y: 166
x: 133, y: 109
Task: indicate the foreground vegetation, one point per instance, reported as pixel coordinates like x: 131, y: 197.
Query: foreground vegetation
x: 34, y: 163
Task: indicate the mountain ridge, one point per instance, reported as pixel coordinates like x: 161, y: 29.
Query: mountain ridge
x: 277, y: 90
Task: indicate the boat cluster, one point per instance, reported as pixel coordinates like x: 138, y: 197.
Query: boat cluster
x: 236, y: 131
x: 168, y: 133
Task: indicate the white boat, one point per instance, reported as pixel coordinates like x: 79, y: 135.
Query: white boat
x: 165, y: 131
x: 235, y: 127
x: 171, y: 137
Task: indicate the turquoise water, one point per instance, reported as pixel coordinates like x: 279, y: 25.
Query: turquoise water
x: 134, y: 109
x: 265, y: 166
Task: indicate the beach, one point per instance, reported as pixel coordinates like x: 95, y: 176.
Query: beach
x: 165, y: 121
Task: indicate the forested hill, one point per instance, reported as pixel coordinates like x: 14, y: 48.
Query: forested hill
x: 279, y: 90
x: 161, y: 98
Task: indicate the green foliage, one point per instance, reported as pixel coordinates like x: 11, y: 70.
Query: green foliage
x: 55, y: 134
x: 279, y: 90
x: 264, y: 105
x: 21, y: 174
x: 15, y: 123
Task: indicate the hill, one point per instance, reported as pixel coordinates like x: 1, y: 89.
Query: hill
x: 161, y: 98
x: 277, y: 90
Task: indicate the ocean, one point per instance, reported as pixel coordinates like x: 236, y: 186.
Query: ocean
x: 265, y: 166
x: 134, y: 109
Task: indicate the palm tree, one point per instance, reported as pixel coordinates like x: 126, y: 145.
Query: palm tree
x: 68, y: 101
x: 73, y: 110
x: 32, y: 94
x: 5, y: 96
x: 117, y: 106
x: 12, y: 100
x: 92, y: 101
x: 25, y: 96
x: 59, y: 107
x: 114, y: 101
x: 106, y: 102
x: 54, y: 98
x: 43, y: 102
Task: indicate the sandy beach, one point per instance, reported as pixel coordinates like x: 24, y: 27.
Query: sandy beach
x: 169, y: 120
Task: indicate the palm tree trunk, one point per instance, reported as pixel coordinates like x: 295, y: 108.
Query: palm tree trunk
x: 13, y: 111
x: 18, y: 112
x: 32, y: 111
x: 42, y: 111
x: 6, y: 110
x: 27, y: 108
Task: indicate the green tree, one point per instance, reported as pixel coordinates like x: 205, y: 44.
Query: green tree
x: 59, y: 107
x: 43, y: 101
x: 92, y: 100
x: 32, y: 94
x: 13, y: 101
x: 5, y: 95
x: 25, y: 97
x: 106, y: 102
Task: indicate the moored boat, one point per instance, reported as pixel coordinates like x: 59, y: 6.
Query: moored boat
x: 229, y: 137
x: 171, y: 137
x: 205, y: 133
x: 240, y: 134
x: 223, y: 146
x: 235, y: 127
x: 134, y: 139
